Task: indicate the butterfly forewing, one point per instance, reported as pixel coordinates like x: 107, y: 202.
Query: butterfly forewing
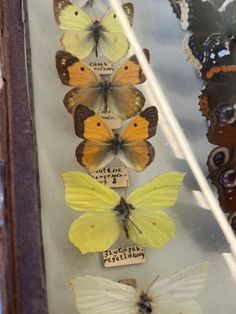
x: 96, y: 295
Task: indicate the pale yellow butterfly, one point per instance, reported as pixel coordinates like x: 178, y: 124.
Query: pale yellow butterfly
x: 84, y: 35
x: 173, y: 295
x: 140, y: 215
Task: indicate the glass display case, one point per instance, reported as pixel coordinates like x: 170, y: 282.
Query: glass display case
x: 39, y: 146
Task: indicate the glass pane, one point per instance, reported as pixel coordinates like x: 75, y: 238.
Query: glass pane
x: 198, y: 236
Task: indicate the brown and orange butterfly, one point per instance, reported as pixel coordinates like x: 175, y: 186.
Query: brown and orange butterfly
x: 84, y: 35
x: 100, y: 92
x: 101, y: 145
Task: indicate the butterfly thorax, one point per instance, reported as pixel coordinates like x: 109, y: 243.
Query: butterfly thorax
x: 117, y: 144
x: 105, y: 89
x: 123, y: 210
x: 96, y: 34
x: 145, y: 305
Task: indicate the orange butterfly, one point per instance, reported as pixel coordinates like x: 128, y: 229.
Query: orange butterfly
x: 101, y: 145
x: 98, y: 92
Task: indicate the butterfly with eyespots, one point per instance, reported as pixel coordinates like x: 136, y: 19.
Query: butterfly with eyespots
x: 84, y: 35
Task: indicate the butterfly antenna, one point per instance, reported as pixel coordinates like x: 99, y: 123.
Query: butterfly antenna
x: 157, y: 277
x: 139, y: 230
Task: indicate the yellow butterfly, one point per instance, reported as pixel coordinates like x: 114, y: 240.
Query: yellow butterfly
x: 140, y: 215
x: 85, y: 35
x: 98, y: 92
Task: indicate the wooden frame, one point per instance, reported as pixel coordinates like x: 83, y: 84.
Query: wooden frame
x: 23, y: 288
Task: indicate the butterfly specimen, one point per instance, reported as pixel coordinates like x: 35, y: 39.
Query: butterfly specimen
x: 173, y: 295
x: 84, y: 35
x: 206, y: 24
x: 101, y: 4
x: 100, y: 92
x: 140, y: 215
x: 222, y: 173
x: 218, y: 97
x: 101, y: 145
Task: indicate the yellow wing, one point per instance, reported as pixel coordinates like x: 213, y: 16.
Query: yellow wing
x: 79, y: 39
x: 70, y: 17
x: 84, y: 193
x: 151, y: 227
x: 95, y: 232
x: 113, y: 42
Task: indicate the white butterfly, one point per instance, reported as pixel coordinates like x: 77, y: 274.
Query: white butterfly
x: 174, y: 295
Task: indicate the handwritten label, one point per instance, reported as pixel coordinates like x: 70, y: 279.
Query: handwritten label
x: 110, y: 119
x: 129, y: 282
x: 123, y: 256
x: 114, y: 177
x: 102, y: 68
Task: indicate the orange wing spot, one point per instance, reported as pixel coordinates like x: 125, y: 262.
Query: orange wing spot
x: 223, y: 68
x: 204, y: 107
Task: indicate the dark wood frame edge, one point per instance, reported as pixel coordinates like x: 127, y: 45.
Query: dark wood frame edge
x: 23, y: 288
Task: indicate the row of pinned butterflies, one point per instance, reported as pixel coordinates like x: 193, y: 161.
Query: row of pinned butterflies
x: 210, y: 44
x: 140, y: 216
x: 94, y: 93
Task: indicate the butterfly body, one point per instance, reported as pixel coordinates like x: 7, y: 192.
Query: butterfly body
x: 123, y: 210
x: 101, y: 145
x: 145, y: 304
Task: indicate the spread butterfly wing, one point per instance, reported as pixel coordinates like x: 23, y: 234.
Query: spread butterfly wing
x: 99, y: 228
x: 78, y: 39
x: 177, y: 293
x: 138, y: 153
x: 151, y: 226
x: 125, y: 100
x: 74, y: 72
x: 96, y: 151
x: 96, y: 295
x: 113, y: 42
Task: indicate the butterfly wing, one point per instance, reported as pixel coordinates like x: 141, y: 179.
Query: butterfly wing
x: 113, y: 42
x: 98, y: 229
x: 177, y: 293
x: 136, y: 152
x: 91, y: 97
x: 152, y: 227
x: 96, y: 151
x: 96, y: 295
x: 78, y: 39
x: 74, y: 72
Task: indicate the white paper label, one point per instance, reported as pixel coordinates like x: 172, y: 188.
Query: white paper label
x: 113, y: 177
x: 102, y: 67
x: 110, y: 119
x: 123, y: 256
